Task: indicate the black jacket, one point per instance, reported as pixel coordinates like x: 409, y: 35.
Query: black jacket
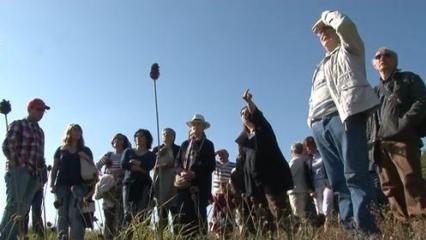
x: 402, y: 109
x: 268, y: 168
x: 203, y: 167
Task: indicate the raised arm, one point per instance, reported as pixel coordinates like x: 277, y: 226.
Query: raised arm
x: 345, y: 29
x: 248, y: 98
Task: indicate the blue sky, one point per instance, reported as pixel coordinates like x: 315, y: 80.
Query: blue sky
x: 90, y: 61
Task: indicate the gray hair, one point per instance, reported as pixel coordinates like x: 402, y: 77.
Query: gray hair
x: 171, y: 131
x: 297, y: 148
x: 393, y: 54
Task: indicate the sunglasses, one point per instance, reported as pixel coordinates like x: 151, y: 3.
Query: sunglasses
x: 384, y: 55
x: 325, y: 31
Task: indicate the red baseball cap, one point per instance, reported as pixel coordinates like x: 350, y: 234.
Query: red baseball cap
x: 37, y: 103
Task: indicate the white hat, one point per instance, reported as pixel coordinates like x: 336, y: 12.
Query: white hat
x: 199, y: 118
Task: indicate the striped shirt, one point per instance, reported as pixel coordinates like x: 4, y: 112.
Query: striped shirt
x: 24, y: 145
x: 322, y: 103
x: 221, y: 174
x: 115, y: 168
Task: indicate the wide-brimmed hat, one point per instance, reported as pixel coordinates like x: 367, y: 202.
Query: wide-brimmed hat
x: 198, y: 118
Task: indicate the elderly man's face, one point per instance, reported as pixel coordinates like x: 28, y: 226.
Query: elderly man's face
x: 168, y: 137
x: 328, y: 38
x: 197, y: 128
x: 384, y: 61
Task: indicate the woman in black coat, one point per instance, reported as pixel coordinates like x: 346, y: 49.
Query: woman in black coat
x: 195, y: 164
x: 266, y: 173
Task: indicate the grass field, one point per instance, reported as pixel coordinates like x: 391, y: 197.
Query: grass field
x: 391, y: 229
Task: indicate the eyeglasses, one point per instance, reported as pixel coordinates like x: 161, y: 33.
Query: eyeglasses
x: 384, y: 55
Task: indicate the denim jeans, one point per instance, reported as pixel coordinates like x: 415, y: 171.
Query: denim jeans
x: 136, y: 208
x: 20, y: 190
x: 37, y: 220
x: 69, y: 200
x: 113, y: 211
x: 345, y: 155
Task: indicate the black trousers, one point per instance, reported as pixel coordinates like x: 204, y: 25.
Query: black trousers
x: 192, y: 213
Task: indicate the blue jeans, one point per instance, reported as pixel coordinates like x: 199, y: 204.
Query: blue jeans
x: 345, y: 157
x: 37, y: 220
x: 69, y: 201
x: 136, y: 207
x: 20, y: 190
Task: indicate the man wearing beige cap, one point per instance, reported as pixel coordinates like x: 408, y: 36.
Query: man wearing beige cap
x: 24, y: 150
x: 340, y: 99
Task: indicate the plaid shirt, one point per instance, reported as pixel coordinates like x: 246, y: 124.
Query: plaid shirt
x: 24, y: 145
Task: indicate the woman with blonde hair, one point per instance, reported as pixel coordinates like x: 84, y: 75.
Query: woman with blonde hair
x: 67, y: 183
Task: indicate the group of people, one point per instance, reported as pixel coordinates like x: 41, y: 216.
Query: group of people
x: 311, y: 184
x: 353, y: 125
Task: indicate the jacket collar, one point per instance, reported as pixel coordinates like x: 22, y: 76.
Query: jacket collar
x: 328, y: 54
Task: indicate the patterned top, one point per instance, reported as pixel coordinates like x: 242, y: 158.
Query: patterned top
x: 115, y: 167
x: 318, y: 169
x: 222, y: 174
x: 24, y: 145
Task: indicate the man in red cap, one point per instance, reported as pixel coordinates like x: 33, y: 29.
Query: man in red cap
x: 24, y: 150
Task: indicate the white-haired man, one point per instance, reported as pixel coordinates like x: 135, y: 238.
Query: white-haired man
x: 395, y: 135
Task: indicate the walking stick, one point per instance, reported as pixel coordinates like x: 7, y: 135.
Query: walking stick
x: 155, y: 74
x: 5, y: 108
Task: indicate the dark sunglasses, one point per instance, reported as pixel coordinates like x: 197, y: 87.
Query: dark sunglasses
x: 384, y: 55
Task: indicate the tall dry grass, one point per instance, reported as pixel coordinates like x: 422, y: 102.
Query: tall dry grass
x: 391, y: 229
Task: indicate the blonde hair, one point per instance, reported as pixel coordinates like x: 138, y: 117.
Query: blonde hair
x: 66, y: 140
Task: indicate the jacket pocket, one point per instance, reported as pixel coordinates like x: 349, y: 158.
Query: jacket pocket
x: 392, y: 126
x: 349, y: 80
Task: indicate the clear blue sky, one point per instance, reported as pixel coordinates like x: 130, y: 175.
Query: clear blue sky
x: 90, y: 61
